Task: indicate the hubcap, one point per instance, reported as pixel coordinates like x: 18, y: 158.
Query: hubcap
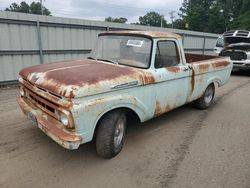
x: 119, y: 132
x: 209, y: 94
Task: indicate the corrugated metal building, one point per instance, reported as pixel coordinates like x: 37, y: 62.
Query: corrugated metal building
x: 27, y: 40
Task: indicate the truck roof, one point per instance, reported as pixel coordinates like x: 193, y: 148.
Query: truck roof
x: 150, y: 34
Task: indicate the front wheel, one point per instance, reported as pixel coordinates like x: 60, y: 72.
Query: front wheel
x: 206, y: 99
x: 110, y: 134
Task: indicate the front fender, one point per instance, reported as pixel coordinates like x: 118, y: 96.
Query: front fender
x: 87, y: 113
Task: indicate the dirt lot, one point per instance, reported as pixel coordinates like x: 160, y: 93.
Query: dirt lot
x: 184, y: 148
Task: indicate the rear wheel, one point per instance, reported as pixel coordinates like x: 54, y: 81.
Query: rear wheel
x: 207, y: 98
x: 110, y: 134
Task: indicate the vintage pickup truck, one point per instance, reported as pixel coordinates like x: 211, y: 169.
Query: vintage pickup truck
x: 138, y: 73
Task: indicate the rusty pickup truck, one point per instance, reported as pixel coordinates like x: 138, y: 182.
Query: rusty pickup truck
x: 139, y: 73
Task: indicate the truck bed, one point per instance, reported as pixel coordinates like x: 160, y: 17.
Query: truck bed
x: 205, y: 69
x: 195, y: 58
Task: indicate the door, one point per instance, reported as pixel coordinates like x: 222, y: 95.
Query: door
x: 172, y: 77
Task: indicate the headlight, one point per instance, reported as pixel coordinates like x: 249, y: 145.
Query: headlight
x: 62, y: 118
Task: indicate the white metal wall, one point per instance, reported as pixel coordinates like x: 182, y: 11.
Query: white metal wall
x: 27, y: 40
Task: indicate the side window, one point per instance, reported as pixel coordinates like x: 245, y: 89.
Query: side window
x: 166, y: 54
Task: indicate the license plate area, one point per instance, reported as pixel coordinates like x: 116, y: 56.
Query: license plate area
x: 33, y: 119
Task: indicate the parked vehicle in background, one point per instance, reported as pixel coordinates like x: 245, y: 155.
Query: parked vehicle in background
x: 237, y: 47
x: 139, y: 73
x: 219, y: 45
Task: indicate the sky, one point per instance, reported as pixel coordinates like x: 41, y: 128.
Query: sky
x: 100, y: 9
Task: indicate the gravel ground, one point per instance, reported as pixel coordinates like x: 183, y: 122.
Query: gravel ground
x: 183, y: 148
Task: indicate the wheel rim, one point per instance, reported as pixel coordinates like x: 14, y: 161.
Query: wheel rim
x: 209, y: 93
x: 119, y: 132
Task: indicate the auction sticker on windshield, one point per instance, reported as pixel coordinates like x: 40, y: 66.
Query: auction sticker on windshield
x: 135, y: 43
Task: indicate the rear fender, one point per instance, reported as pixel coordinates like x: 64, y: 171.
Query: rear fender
x: 214, y: 79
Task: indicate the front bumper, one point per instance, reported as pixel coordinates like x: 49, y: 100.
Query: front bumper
x: 50, y: 126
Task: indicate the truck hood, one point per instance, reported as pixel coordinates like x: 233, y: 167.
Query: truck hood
x: 239, y: 46
x: 240, y: 43
x: 79, y: 78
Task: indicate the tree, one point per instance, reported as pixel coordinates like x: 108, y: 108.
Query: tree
x: 242, y: 22
x: 245, y: 6
x: 215, y: 15
x: 23, y: 7
x: 33, y: 8
x: 209, y: 15
x: 196, y: 14
x: 117, y: 20
x: 231, y: 9
x: 153, y: 19
x: 217, y: 23
x: 178, y: 24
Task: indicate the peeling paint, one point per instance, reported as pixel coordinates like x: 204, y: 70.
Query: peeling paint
x: 149, y: 79
x: 68, y: 82
x: 203, y: 67
x: 158, y: 110
x: 220, y: 64
x: 173, y: 69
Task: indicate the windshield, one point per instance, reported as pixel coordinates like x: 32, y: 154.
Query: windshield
x: 126, y: 50
x: 220, y: 42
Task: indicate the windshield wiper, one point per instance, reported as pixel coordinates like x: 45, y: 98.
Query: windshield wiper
x: 107, y: 60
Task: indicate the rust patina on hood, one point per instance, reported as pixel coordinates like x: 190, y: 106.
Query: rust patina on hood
x: 73, y: 79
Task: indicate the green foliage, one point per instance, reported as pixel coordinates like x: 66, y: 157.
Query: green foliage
x: 196, y: 14
x: 14, y: 7
x: 216, y: 21
x: 117, y: 20
x: 33, y: 8
x: 245, y: 6
x: 178, y: 23
x: 242, y: 22
x: 152, y: 19
x: 215, y: 15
